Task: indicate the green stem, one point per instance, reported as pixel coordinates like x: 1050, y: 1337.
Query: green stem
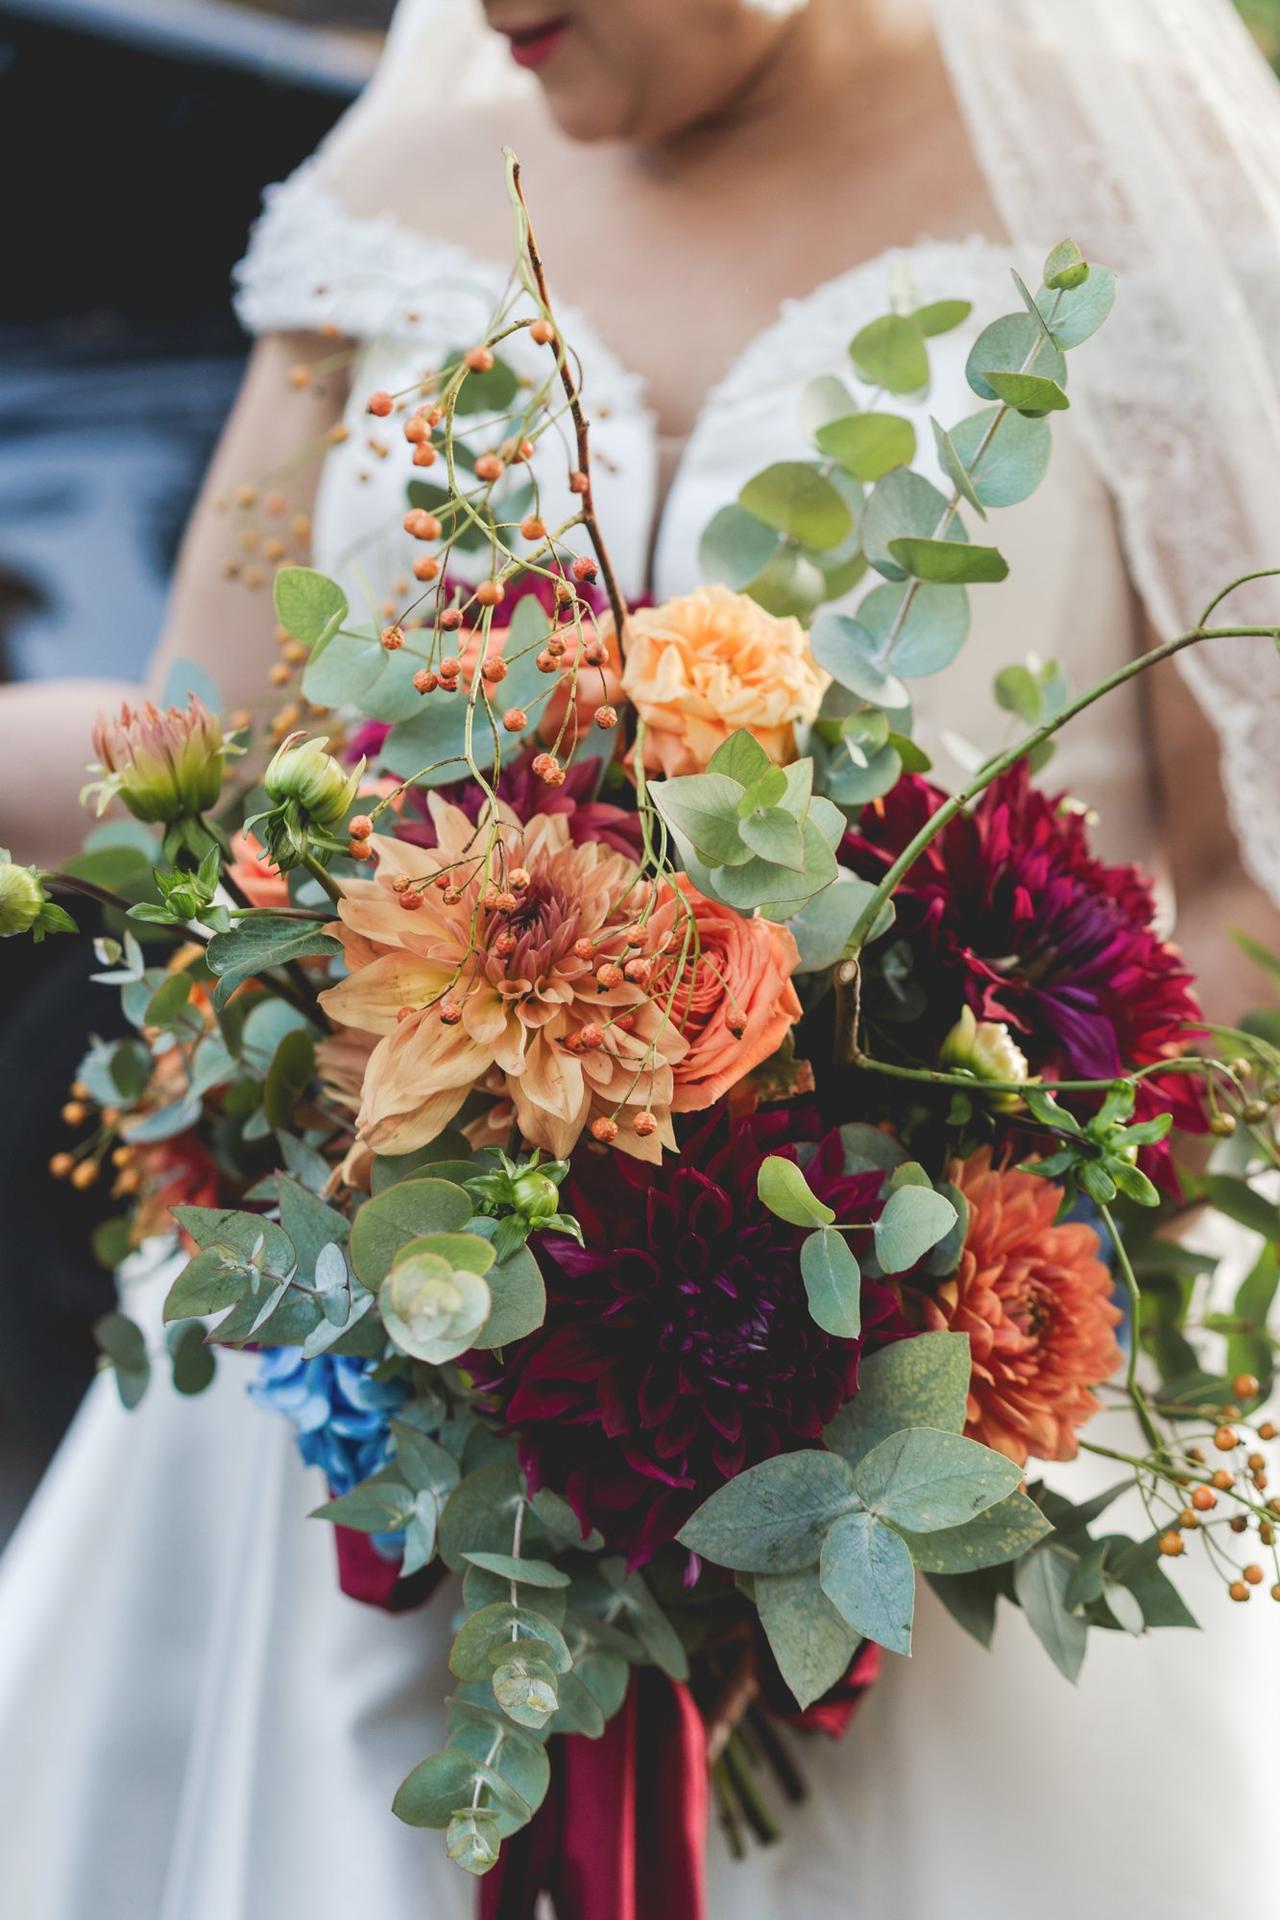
x: 325, y: 879
x: 69, y: 883
x: 1136, y: 1395
x: 935, y: 1077
x: 1001, y: 764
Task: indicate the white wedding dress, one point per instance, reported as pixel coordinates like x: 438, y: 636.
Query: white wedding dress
x: 196, y: 1725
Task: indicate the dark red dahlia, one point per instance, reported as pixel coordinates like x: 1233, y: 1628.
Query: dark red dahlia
x: 1010, y: 911
x: 678, y: 1347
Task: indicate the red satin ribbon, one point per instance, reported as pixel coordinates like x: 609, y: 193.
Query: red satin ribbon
x: 622, y: 1832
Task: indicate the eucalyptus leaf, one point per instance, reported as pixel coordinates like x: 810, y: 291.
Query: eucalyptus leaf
x: 889, y: 352
x: 868, y: 445
x: 387, y: 1223
x: 914, y: 1219
x: 1002, y: 1533
x: 783, y: 1189
x: 811, y: 1643
x: 1040, y: 1584
x: 799, y: 501
x: 832, y: 1283
x: 867, y: 1575
x: 924, y: 1479
x: 923, y: 1382
x: 772, y: 1518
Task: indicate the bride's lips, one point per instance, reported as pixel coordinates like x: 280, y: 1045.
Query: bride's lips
x: 533, y: 46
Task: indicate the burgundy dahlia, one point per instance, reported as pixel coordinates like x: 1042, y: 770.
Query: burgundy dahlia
x: 1009, y: 911
x: 678, y: 1347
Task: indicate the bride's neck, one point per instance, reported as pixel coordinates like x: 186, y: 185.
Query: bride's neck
x: 822, y: 63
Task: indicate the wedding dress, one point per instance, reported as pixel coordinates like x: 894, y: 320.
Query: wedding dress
x: 195, y: 1724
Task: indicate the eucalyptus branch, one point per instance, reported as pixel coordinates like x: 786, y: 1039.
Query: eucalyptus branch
x: 1137, y: 1397
x: 581, y: 430
x: 61, y: 882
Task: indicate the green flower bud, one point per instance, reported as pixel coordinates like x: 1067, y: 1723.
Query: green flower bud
x: 987, y: 1050
x: 534, y: 1195
x: 302, y: 771
x: 164, y: 766
x: 21, y: 899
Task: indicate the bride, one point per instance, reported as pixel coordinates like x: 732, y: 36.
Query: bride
x: 187, y: 1703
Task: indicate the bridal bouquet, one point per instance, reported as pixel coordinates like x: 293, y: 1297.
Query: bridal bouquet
x: 682, y: 1171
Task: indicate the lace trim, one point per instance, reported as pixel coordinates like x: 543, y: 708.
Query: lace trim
x: 312, y: 263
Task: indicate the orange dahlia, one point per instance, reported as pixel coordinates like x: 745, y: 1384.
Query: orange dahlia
x: 1035, y: 1301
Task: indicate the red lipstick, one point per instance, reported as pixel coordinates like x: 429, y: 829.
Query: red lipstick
x: 533, y: 46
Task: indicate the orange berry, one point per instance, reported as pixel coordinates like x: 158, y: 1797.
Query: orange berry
x: 546, y: 662
x: 544, y: 766
x: 478, y: 359
x: 360, y: 850
x: 489, y: 467
x: 1225, y: 1439
x: 645, y: 1123
x: 299, y: 377
x: 736, y: 1021
x: 1223, y: 1480
x: 450, y: 620
x: 1253, y: 1574
x: 595, y: 653
x: 60, y: 1165
x: 1257, y: 1462
x: 1245, y: 1386
x: 426, y: 567
x: 424, y: 454
x: 380, y: 404
x: 1239, y: 1523
x: 638, y: 972
x: 280, y: 675
x: 393, y: 638
x: 608, y: 976
x: 1204, y: 1499
x: 360, y: 827
x: 542, y: 332
x: 1172, y: 1544
x: 585, y: 568
x: 520, y: 879
x: 585, y: 949
x: 515, y: 719
x: 604, y: 1130
x: 450, y: 667
x: 578, y: 481
x: 1268, y: 1430
x: 1238, y: 1590
x: 410, y: 900
x: 606, y: 717
x: 450, y: 1013
x: 422, y: 525
x: 533, y: 528
x: 415, y: 429
x: 85, y: 1174
x: 490, y: 593
x: 74, y: 1114
x: 425, y: 681
x: 494, y: 669
x: 591, y: 1036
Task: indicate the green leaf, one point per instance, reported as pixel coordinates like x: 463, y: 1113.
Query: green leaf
x: 1040, y: 1584
x: 379, y: 1506
x: 258, y: 945
x: 1014, y: 459
x: 1018, y: 691
x: 288, y: 1076
x: 123, y: 1342
x: 768, y: 790
x: 529, y: 1573
x: 422, y: 1462
x: 771, y: 1519
x: 927, y: 636
x: 797, y: 500
x: 1009, y: 1528
x: 703, y: 807
x: 791, y: 584
x: 824, y: 923
x: 1028, y: 392
x: 810, y: 1642
x: 441, y: 1785
x: 735, y: 547
x: 867, y: 1575
x: 479, y: 1515
x: 904, y: 505
x: 940, y: 316
x: 491, y: 391
x: 1243, y: 1204
x: 832, y: 1283
x: 970, y: 1599
x: 947, y: 563
x: 405, y: 1212
x: 923, y: 1479
x: 1005, y: 347
x: 740, y: 759
x: 851, y: 654
x: 194, y: 1363
x: 309, y: 1223
x: 519, y: 1300
x: 914, y: 1219
x: 776, y: 837
x: 923, y: 1382
x: 168, y: 1004
x: 783, y: 1189
x: 308, y: 604
x: 867, y: 445
x: 1066, y: 266
x: 890, y: 352
x: 1072, y: 315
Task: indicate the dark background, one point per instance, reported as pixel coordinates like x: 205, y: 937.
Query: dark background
x: 135, y: 139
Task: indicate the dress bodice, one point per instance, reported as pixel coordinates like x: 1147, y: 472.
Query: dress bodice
x: 409, y: 300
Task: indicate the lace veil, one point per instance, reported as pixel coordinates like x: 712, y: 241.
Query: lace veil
x: 1148, y: 130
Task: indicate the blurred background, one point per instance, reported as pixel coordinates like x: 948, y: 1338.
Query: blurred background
x: 160, y: 122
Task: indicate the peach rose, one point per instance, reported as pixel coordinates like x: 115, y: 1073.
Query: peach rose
x: 699, y: 668
x: 734, y: 1003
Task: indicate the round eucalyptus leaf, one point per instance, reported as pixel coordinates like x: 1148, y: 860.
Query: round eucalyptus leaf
x: 798, y: 500
x: 869, y: 445
x: 735, y: 547
x: 889, y: 352
x: 1073, y: 313
x: 932, y: 631
x: 851, y: 655
x: 850, y: 785
x: 791, y: 583
x: 904, y: 505
x: 1005, y: 347
x: 1014, y: 460
x: 824, y: 399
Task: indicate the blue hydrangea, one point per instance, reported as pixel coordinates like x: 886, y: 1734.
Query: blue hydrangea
x: 340, y: 1414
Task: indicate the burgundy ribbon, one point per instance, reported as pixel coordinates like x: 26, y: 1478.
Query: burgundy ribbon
x: 366, y: 1575
x: 622, y: 1832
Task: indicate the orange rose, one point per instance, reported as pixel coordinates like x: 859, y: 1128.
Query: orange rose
x: 1035, y: 1301
x: 699, y: 668
x: 261, y: 883
x: 734, y: 1003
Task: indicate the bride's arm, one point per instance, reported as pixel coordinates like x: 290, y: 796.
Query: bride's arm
x: 215, y: 621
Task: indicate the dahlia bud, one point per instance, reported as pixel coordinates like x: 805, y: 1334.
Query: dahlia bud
x: 21, y: 898
x: 984, y: 1048
x: 164, y: 766
x: 303, y: 771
